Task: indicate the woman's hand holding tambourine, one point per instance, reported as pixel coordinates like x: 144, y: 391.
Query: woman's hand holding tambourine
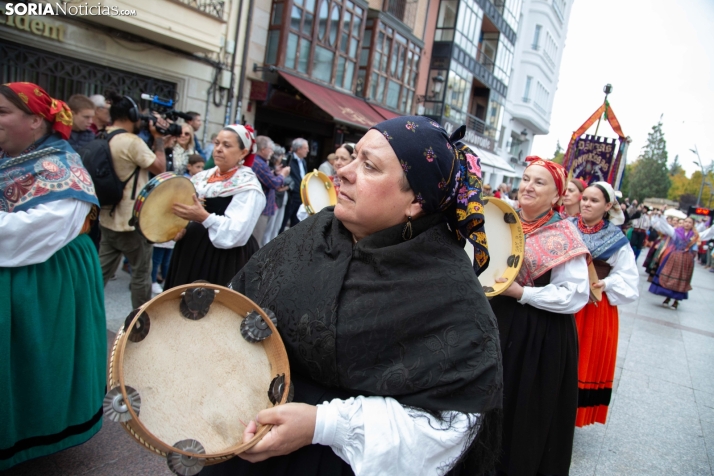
x: 293, y: 428
x: 180, y: 234
x: 515, y: 290
x: 194, y: 212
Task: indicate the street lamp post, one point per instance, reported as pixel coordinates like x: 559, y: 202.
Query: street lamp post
x: 699, y: 163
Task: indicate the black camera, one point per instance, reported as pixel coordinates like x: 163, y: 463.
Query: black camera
x: 164, y: 107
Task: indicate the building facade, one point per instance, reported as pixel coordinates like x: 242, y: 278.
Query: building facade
x: 176, y: 49
x: 534, y: 81
x: 470, y: 74
x: 328, y: 70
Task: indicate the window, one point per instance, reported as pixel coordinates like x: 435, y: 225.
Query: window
x: 323, y: 38
x: 541, y: 100
x: 527, y: 90
x: 550, y: 50
x: 393, y: 66
x: 536, y: 38
x: 468, y: 27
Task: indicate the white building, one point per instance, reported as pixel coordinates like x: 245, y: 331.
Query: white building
x: 536, y: 66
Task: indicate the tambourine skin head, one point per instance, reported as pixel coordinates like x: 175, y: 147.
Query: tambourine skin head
x: 506, y: 246
x: 317, y: 192
x: 198, y: 379
x: 153, y: 216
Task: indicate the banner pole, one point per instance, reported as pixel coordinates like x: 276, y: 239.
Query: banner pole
x: 607, y: 90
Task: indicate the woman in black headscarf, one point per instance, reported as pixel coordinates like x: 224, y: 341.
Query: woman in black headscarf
x: 384, y: 319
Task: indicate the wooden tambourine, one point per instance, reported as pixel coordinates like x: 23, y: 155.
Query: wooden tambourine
x: 506, y: 246
x: 189, y: 367
x: 595, y: 293
x: 317, y: 192
x: 153, y: 216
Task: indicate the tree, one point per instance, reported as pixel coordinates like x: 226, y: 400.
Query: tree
x: 676, y: 167
x: 650, y: 177
x: 558, y: 155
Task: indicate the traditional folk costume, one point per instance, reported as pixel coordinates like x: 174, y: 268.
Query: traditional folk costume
x: 391, y: 336
x: 540, y: 347
x: 674, y: 274
x: 52, y: 320
x: 598, y: 323
x: 218, y: 248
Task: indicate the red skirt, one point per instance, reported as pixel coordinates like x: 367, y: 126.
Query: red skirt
x: 597, y: 336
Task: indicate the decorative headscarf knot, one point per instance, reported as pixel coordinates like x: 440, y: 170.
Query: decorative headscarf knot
x: 39, y: 102
x: 444, y: 174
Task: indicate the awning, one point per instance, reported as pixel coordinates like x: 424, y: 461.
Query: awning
x: 386, y: 112
x: 493, y: 163
x: 344, y: 108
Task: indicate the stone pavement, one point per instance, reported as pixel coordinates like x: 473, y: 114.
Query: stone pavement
x: 661, y: 418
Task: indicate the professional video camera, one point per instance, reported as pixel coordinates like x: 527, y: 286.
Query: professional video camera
x: 164, y: 107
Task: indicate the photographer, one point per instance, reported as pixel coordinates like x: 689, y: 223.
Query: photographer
x: 132, y: 160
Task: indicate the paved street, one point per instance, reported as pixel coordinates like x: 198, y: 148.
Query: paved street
x: 661, y: 418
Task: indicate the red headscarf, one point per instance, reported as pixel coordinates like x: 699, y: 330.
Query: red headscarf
x: 39, y: 102
x: 556, y: 170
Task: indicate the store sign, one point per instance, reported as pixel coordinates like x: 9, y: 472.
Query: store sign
x: 33, y: 25
x: 471, y: 136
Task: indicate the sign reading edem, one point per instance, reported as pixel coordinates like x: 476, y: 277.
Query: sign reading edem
x: 33, y: 25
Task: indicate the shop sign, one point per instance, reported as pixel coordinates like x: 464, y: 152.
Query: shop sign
x: 471, y: 136
x: 33, y: 25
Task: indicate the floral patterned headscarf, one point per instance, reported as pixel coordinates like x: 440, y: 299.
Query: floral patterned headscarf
x: 444, y: 174
x: 39, y: 102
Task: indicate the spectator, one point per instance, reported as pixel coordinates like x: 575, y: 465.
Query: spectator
x: 196, y: 122
x: 281, y: 199
x: 82, y: 114
x: 343, y: 156
x: 209, y: 147
x: 268, y: 180
x: 298, y: 169
x: 131, y: 157
x: 101, y: 114
x: 196, y: 164
x: 185, y: 146
x: 487, y: 190
x: 328, y: 166
x: 160, y: 260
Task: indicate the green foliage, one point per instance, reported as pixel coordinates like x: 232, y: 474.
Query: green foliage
x: 650, y: 177
x: 558, y: 155
x: 675, y: 168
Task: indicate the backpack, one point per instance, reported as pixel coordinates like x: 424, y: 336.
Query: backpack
x: 97, y: 159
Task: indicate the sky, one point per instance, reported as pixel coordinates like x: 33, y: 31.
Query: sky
x: 657, y: 55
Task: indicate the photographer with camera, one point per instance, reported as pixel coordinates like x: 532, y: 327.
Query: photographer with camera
x: 132, y: 160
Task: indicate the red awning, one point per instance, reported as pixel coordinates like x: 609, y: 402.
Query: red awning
x: 386, y: 112
x: 344, y: 108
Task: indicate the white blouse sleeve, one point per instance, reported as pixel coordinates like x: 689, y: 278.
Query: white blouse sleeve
x: 707, y: 234
x: 568, y: 291
x: 33, y: 236
x: 621, y: 283
x: 378, y: 436
x: 236, y: 227
x: 660, y: 224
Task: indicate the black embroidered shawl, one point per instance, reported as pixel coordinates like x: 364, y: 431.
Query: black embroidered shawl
x: 382, y: 317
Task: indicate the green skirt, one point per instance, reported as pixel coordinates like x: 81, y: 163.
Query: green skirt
x: 52, y: 353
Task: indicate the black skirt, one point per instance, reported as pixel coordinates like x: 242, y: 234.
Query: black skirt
x: 540, y: 387
x: 311, y: 460
x: 195, y: 257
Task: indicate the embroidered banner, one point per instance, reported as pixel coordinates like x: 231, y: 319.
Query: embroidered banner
x: 594, y: 159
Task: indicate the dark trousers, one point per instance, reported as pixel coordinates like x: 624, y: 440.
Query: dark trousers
x: 160, y: 259
x: 291, y: 209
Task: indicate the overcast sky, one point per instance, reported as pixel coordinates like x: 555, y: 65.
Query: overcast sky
x: 657, y: 55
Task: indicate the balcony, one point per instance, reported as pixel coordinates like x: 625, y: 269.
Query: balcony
x: 558, y: 7
x: 402, y: 10
x: 194, y: 26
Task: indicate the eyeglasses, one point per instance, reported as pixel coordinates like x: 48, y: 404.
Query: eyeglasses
x: 187, y: 134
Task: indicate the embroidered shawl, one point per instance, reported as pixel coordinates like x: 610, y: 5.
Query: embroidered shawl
x: 50, y: 170
x: 384, y: 316
x: 604, y: 243
x: 243, y: 180
x: 549, y: 246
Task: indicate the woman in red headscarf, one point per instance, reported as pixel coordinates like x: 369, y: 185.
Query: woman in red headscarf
x: 52, y: 320
x: 539, y: 341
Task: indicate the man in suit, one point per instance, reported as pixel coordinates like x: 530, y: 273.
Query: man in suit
x: 298, y: 169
